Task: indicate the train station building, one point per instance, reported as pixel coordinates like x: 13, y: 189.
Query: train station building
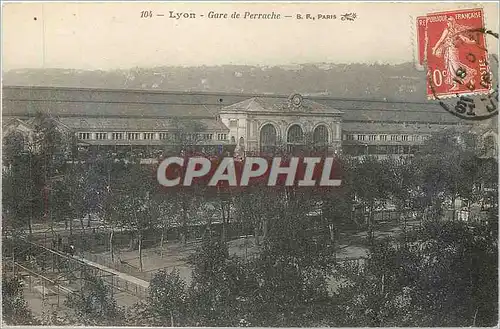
x: 148, y: 122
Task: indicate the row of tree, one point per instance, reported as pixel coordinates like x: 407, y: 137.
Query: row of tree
x: 443, y: 274
x: 44, y: 181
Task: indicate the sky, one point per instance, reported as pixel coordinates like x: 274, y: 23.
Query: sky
x: 106, y: 36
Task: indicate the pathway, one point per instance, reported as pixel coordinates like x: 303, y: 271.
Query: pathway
x: 121, y: 275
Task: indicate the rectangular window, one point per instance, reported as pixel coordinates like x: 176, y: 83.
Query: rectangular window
x: 372, y: 137
x: 404, y: 138
x: 117, y: 136
x: 383, y: 137
x: 414, y: 138
x: 361, y: 137
x: 149, y: 136
x: 349, y: 137
x: 394, y: 137
x: 163, y: 135
x: 132, y: 136
x: 222, y: 137
x: 101, y: 136
x: 84, y: 135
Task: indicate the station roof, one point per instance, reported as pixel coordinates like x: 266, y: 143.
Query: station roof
x: 152, y: 104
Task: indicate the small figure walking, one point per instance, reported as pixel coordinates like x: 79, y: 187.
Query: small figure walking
x: 72, y: 250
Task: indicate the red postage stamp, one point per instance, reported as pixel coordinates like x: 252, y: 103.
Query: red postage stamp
x: 421, y: 26
x: 456, y: 54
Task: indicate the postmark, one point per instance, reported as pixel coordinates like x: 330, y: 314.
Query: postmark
x: 473, y: 106
x: 456, y: 54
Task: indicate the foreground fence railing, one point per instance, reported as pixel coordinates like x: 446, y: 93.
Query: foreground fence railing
x: 128, y: 286
x: 117, y: 265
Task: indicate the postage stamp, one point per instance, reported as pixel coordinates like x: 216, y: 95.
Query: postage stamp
x: 456, y: 54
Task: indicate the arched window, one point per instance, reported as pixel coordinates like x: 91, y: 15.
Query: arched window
x: 295, y: 135
x: 320, y: 139
x: 268, y: 138
x: 295, y: 139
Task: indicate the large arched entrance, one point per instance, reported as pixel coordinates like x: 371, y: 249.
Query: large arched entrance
x: 295, y: 139
x: 268, y: 138
x: 320, y: 139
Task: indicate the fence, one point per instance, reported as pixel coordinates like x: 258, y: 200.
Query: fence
x: 127, y: 286
x: 117, y: 265
x: 123, y: 268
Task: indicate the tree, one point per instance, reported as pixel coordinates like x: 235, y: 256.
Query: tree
x: 291, y: 270
x: 15, y: 309
x: 167, y: 300
x: 219, y: 286
x: 134, y: 203
x: 187, y: 137
x: 255, y: 207
x: 448, y: 171
x: 444, y: 274
x: 167, y: 212
x: 93, y: 305
x: 371, y: 186
x: 404, y: 190
x: 33, y: 163
x: 337, y: 204
x: 21, y: 197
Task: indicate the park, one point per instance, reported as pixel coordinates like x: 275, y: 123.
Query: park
x: 105, y: 236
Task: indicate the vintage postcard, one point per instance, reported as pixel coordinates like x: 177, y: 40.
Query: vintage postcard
x: 242, y: 164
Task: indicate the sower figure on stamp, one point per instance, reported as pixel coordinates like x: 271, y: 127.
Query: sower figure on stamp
x: 447, y: 47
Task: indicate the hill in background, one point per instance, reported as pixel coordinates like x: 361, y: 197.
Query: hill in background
x: 365, y: 81
x: 337, y: 80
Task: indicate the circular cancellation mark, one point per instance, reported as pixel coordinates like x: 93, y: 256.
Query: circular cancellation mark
x: 472, y: 106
